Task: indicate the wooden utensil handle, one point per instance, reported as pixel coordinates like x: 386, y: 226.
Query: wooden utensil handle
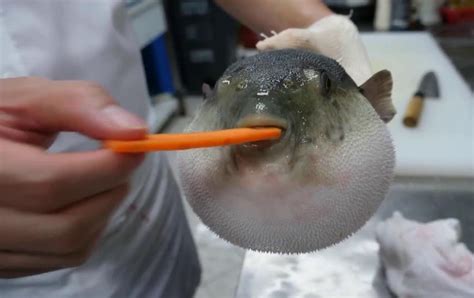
x: 413, y: 111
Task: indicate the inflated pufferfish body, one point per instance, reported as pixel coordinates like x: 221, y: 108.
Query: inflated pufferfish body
x: 315, y: 186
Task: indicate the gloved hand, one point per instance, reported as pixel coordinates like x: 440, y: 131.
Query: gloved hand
x: 334, y: 36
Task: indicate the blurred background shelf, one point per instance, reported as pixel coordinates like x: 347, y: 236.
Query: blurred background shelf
x: 148, y: 19
x: 149, y: 23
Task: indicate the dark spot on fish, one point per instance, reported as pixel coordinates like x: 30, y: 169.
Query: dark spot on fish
x: 335, y: 133
x: 332, y: 134
x: 341, y: 132
x: 336, y: 105
x: 327, y: 133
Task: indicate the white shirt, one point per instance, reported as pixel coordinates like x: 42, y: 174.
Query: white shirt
x: 147, y: 249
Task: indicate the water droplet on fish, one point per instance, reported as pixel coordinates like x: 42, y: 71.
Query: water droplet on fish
x: 242, y: 85
x: 310, y: 74
x: 262, y: 93
x: 226, y: 82
x: 260, y: 106
x: 303, y: 121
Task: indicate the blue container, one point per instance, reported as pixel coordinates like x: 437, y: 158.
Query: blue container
x: 157, y: 67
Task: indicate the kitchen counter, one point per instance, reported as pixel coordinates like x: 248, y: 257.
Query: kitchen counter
x: 442, y: 144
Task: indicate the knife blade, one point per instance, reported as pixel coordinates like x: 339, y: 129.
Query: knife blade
x: 427, y: 88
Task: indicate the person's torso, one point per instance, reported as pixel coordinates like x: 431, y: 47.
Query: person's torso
x: 138, y: 254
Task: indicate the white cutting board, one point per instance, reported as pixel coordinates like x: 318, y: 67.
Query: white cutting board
x: 443, y: 143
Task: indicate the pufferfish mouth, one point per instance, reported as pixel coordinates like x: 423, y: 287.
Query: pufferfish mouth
x: 262, y: 120
x: 251, y: 155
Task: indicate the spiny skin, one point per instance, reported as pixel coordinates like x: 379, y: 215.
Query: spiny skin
x: 318, y: 184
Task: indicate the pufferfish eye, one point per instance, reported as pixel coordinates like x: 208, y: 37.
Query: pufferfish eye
x: 325, y: 83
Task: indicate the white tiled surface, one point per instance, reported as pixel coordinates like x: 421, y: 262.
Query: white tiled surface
x: 221, y: 261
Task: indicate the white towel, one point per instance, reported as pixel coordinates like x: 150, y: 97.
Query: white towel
x: 425, y: 259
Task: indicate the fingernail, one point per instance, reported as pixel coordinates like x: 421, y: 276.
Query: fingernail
x: 122, y: 118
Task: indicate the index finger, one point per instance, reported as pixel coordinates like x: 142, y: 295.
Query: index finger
x: 34, y: 180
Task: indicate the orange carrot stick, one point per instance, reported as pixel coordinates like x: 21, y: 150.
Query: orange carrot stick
x: 182, y: 141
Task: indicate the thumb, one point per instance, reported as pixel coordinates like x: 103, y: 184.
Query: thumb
x: 51, y: 106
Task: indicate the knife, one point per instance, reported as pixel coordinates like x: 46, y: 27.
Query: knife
x: 428, y: 88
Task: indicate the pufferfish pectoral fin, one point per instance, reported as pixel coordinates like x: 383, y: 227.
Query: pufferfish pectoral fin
x: 206, y: 91
x: 378, y: 90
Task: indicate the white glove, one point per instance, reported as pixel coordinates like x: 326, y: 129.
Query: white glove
x: 334, y: 36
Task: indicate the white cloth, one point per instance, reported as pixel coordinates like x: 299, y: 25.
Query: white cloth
x: 425, y: 260
x: 147, y: 249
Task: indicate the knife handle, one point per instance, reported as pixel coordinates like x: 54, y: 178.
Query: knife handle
x: 413, y: 111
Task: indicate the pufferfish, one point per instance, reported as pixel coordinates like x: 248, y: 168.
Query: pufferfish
x: 316, y: 185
